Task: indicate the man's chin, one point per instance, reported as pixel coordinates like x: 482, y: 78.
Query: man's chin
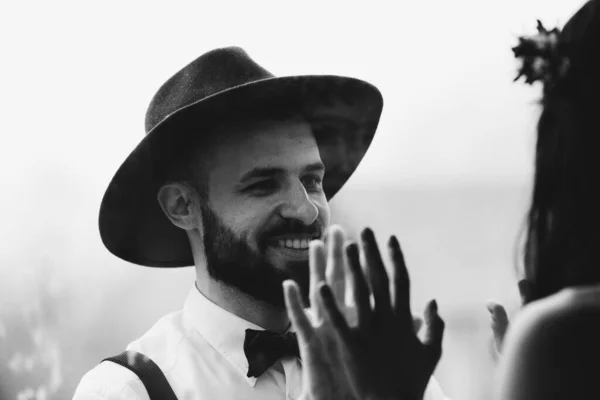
x: 296, y: 269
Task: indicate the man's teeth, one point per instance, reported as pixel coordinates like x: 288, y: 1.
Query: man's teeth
x: 293, y: 244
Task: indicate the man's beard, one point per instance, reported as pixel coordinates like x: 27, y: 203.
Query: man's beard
x: 231, y: 260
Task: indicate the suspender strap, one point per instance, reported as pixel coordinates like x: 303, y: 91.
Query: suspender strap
x: 150, y: 374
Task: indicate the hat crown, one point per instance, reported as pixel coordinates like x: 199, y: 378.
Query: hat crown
x: 211, y: 73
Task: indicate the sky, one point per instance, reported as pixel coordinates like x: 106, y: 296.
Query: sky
x: 77, y: 76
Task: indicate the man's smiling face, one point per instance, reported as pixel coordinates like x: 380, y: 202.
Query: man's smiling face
x: 265, y: 204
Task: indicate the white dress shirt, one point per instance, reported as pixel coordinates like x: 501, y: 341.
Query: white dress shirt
x: 200, y: 350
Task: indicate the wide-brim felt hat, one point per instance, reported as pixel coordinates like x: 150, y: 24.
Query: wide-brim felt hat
x: 217, y: 87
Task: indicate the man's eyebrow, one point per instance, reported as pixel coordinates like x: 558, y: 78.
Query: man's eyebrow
x: 261, y: 172
x: 315, y: 167
x: 267, y: 172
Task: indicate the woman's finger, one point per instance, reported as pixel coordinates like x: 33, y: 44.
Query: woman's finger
x: 434, y: 332
x: 499, y: 323
x: 380, y: 284
x: 401, y: 285
x: 333, y: 314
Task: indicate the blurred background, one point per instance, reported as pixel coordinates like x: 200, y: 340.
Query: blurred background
x: 449, y: 171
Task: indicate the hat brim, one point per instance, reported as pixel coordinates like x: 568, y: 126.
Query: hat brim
x: 344, y: 112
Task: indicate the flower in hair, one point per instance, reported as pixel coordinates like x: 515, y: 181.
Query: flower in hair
x: 541, y: 57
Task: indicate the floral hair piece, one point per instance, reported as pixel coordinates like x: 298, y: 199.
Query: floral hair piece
x: 541, y: 57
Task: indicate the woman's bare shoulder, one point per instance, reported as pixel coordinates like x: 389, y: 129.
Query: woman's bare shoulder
x: 565, y: 304
x: 550, y: 346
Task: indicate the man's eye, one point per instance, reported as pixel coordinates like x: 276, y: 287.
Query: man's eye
x: 313, y: 182
x: 263, y: 186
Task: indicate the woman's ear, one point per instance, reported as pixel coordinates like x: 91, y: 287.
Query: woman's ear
x: 178, y: 202
x: 527, y: 291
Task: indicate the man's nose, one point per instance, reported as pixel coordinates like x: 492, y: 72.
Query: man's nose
x: 299, y: 206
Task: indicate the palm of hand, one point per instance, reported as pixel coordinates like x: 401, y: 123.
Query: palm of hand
x: 379, y: 355
x: 374, y: 363
x: 324, y: 376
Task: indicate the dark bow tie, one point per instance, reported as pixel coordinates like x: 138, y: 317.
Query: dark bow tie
x: 264, y: 348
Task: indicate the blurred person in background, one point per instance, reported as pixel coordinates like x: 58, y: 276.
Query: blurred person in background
x: 233, y: 177
x: 552, y: 349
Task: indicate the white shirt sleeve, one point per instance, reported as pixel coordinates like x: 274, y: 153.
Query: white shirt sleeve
x: 109, y: 381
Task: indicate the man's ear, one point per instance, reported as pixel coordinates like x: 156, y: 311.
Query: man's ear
x: 178, y: 202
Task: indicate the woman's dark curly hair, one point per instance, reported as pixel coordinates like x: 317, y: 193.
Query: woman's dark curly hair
x: 562, y: 246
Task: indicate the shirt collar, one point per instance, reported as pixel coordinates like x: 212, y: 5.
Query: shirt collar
x: 224, y: 331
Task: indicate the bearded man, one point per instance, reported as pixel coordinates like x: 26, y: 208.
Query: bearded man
x: 234, y: 178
